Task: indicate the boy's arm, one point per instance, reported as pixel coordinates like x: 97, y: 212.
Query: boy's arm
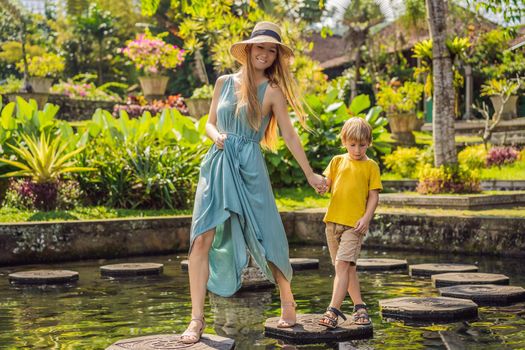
x: 371, y: 205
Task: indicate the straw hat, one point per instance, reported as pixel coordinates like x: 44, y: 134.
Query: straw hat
x: 264, y: 32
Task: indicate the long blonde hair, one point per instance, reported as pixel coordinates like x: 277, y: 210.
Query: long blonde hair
x: 278, y: 74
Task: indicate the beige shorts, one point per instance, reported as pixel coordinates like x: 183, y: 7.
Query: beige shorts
x: 343, y: 242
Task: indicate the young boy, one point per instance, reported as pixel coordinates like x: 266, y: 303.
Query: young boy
x: 355, y: 183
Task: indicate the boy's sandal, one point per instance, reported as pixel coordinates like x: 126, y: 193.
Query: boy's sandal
x: 192, y: 337
x: 330, y: 321
x: 284, y: 323
x: 360, y: 315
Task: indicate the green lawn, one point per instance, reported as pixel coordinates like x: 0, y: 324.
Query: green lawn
x: 424, y: 138
x: 288, y: 199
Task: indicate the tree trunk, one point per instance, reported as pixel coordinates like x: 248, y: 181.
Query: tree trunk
x: 443, y: 109
x: 357, y: 74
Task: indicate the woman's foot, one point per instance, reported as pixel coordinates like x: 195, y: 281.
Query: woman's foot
x: 193, y: 333
x: 288, y: 317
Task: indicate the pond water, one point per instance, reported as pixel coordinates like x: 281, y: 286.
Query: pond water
x: 96, y: 312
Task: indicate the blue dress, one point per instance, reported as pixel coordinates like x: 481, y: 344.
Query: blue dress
x: 234, y: 196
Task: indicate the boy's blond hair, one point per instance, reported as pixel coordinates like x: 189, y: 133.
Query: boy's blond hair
x: 356, y: 129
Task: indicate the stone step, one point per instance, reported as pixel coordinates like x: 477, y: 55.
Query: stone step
x: 435, y: 268
x: 131, y: 269
x: 44, y: 277
x: 380, y: 264
x: 307, y: 331
x: 452, y: 279
x: 485, y: 294
x: 429, y: 309
x: 172, y: 341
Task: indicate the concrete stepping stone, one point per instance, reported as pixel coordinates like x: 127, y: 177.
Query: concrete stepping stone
x: 297, y: 264
x: 254, y: 279
x: 432, y: 269
x: 380, y: 264
x: 452, y: 279
x: 171, y: 341
x: 429, y: 309
x: 307, y: 331
x: 43, y: 277
x: 131, y: 269
x: 485, y: 294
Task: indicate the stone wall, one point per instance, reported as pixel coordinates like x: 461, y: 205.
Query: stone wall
x: 74, y: 240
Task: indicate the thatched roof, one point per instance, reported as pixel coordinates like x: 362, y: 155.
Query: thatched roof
x: 393, y: 37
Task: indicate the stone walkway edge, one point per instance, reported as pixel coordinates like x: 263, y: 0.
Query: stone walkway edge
x: 43, y: 242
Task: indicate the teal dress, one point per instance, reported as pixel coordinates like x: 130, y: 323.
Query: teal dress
x: 234, y: 196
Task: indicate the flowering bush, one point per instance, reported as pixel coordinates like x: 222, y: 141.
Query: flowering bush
x: 473, y: 157
x: 87, y: 91
x: 447, y: 180
x: 136, y: 105
x: 499, y: 156
x: 151, y: 54
x: 403, y: 161
x: 48, y: 65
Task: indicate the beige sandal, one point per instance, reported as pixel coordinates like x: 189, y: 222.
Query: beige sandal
x: 283, y: 323
x: 192, y: 337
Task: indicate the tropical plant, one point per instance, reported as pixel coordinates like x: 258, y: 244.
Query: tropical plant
x: 48, y: 65
x: 502, y: 87
x: 447, y: 179
x: 43, y: 159
x: 498, y: 156
x: 405, y: 162
x: 205, y: 91
x: 10, y: 85
x: 80, y: 87
x: 396, y: 98
x: 151, y: 54
x: 321, y: 140
x: 137, y: 105
x: 473, y: 157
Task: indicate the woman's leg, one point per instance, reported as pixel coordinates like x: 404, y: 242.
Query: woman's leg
x: 286, y: 296
x: 199, y: 271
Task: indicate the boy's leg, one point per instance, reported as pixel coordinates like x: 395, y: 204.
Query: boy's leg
x: 353, y: 285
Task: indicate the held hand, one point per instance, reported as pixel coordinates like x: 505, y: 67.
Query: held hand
x: 219, y: 141
x: 318, y: 182
x: 361, y: 225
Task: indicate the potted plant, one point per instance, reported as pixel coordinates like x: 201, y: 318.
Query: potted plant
x: 499, y: 90
x: 399, y: 101
x: 151, y: 55
x: 42, y: 70
x: 200, y: 101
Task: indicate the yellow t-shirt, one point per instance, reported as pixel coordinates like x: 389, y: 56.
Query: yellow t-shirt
x: 351, y: 182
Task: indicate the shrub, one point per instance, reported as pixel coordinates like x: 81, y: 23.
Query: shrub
x: 498, y: 156
x: 473, y: 157
x: 47, y: 65
x: 403, y: 161
x: 451, y: 179
x: 136, y: 106
x: 521, y: 155
x: 205, y: 91
x: 30, y: 195
x: 87, y: 91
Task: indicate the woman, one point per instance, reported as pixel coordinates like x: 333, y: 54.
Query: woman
x: 235, y: 210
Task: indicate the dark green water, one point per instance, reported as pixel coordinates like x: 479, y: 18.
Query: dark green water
x: 96, y: 312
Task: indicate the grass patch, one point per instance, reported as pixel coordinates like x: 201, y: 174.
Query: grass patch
x: 514, y: 171
x: 287, y: 199
x: 82, y: 213
x: 424, y: 138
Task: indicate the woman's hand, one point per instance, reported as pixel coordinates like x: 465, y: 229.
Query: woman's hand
x: 219, y: 140
x: 318, y: 182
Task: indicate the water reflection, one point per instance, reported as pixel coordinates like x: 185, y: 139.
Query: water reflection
x: 95, y: 312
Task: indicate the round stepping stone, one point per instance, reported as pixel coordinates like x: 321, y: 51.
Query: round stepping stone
x: 485, y: 294
x: 44, y: 277
x: 307, y: 331
x: 253, y: 279
x: 452, y: 279
x: 297, y: 264
x: 380, y: 264
x: 428, y: 309
x: 131, y: 269
x: 172, y: 342
x: 432, y: 269
x: 304, y: 264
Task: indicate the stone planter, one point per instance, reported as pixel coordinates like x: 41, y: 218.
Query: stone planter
x: 198, y: 107
x: 154, y: 85
x: 509, y: 109
x: 40, y: 85
x: 402, y: 125
x: 40, y: 98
